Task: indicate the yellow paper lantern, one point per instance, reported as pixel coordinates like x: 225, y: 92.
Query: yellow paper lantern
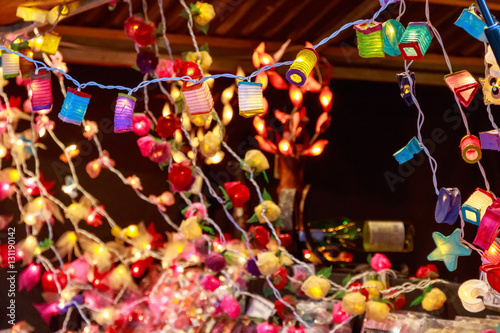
x: 250, y: 99
x: 50, y: 43
x: 302, y: 66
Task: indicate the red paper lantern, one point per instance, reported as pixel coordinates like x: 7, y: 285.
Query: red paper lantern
x: 167, y: 126
x: 493, y: 275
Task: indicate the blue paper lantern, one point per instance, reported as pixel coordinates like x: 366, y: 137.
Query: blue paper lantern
x: 415, y: 41
x: 448, y: 205
x: 74, y: 106
x: 472, y: 21
x: 392, y: 32
x: 404, y: 86
x: 407, y: 152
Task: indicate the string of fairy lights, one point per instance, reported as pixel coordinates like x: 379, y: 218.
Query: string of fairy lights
x: 103, y: 159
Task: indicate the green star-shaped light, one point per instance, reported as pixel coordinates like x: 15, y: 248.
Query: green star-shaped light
x: 448, y: 248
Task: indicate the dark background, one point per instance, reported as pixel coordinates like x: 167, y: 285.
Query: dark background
x: 370, y: 122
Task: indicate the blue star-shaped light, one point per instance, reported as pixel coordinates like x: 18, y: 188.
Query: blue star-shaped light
x: 448, y: 248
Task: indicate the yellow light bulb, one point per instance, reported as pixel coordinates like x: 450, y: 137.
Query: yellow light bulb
x: 316, y: 292
x: 166, y: 110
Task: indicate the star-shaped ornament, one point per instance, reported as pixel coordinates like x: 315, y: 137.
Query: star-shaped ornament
x: 448, y: 249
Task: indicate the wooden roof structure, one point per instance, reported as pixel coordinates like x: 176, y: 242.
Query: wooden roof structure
x: 92, y: 34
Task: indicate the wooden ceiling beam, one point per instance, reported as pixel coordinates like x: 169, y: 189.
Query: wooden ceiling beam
x: 107, y: 47
x: 459, y: 3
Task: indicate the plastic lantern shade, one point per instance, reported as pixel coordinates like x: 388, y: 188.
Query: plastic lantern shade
x: 488, y: 227
x: 25, y: 66
x: 74, y: 106
x: 448, y: 205
x: 407, y: 152
x: 41, y: 91
x: 124, y: 111
x: 404, y: 87
x: 463, y: 85
x: 198, y: 97
x: 296, y: 96
x: 493, y: 253
x: 50, y: 43
x: 250, y: 99
x: 475, y: 207
x: 471, y: 149
x: 492, y: 275
x: 302, y: 66
x: 10, y: 64
x: 490, y: 140
x: 471, y: 21
x: 415, y: 41
x: 285, y: 147
x: 392, y: 32
x: 316, y: 149
x: 325, y: 98
x: 469, y: 293
x: 370, y: 40
x: 448, y: 249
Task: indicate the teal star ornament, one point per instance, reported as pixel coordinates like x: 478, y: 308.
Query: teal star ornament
x: 448, y: 249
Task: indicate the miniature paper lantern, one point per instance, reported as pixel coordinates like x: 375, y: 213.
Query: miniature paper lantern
x: 50, y: 43
x: 250, y: 99
x: 10, y: 64
x: 463, y: 85
x: 469, y: 293
x: 490, y: 140
x: 407, y: 152
x: 370, y: 40
x: 471, y: 21
x: 74, y: 106
x: 415, y: 41
x: 471, y: 149
x: 493, y: 253
x: 475, y: 207
x: 302, y: 66
x: 488, y: 227
x: 392, y: 32
x: 25, y: 66
x: 124, y: 111
x: 404, y: 86
x: 198, y: 97
x: 41, y: 91
x: 448, y: 205
x: 32, y: 14
x: 448, y: 248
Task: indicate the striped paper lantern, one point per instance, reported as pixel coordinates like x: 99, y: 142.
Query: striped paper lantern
x: 475, y: 207
x: 370, y: 40
x: 250, y: 99
x: 198, y: 97
x: 50, y: 43
x: 25, y: 66
x: 74, y: 106
x: 41, y: 91
x: 302, y: 66
x: 124, y: 111
x: 415, y: 41
x: 10, y: 64
x: 471, y: 149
